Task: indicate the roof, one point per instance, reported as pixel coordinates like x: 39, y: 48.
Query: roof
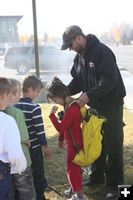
x: 18, y: 17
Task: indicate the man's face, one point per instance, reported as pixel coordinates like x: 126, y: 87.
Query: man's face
x: 76, y: 45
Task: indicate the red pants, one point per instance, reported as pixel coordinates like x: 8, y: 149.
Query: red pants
x: 74, y: 174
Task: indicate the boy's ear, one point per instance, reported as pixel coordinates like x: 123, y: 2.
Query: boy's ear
x: 78, y: 38
x: 3, y: 96
x: 30, y: 89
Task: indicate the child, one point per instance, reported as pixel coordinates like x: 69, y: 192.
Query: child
x: 22, y: 182
x: 32, y: 111
x: 59, y: 93
x: 11, y: 153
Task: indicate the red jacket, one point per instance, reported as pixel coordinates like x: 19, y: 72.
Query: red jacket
x: 71, y: 120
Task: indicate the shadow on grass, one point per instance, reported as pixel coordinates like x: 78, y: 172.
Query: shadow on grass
x: 56, y: 174
x: 55, y: 170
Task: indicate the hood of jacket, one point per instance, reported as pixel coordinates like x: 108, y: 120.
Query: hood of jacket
x: 91, y: 41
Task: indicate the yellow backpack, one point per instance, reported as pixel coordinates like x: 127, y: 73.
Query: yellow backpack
x: 92, y: 137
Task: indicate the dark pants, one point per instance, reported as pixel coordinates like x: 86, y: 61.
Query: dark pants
x: 111, y: 160
x: 4, y: 180
x: 39, y: 178
x: 23, y: 183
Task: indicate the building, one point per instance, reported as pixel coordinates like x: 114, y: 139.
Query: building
x: 8, y: 29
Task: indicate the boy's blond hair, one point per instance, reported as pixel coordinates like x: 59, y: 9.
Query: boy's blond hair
x: 15, y: 85
x: 5, y: 86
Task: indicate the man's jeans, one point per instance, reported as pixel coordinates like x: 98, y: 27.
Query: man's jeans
x: 24, y: 184
x: 4, y: 180
x: 111, y: 159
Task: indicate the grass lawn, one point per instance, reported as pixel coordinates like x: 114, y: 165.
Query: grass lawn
x: 55, y: 168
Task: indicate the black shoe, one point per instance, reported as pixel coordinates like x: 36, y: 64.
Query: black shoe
x: 112, y: 193
x: 94, y: 182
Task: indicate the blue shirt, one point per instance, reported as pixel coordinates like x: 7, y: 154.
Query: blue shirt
x: 34, y: 122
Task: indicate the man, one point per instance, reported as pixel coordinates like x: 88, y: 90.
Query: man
x: 96, y: 74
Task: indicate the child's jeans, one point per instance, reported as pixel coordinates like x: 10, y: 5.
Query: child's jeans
x: 4, y: 180
x: 24, y: 184
x: 39, y: 178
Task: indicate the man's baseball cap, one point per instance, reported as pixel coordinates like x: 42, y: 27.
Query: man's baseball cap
x: 69, y: 35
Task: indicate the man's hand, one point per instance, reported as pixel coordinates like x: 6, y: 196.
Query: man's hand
x: 83, y: 99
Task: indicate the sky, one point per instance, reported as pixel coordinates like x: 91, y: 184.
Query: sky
x: 53, y: 16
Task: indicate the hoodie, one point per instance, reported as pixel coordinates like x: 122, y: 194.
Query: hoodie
x: 95, y: 72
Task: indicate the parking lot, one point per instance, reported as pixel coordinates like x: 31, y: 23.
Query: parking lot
x: 45, y: 75
x: 124, y: 60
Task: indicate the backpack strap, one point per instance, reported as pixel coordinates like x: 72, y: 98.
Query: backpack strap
x: 76, y: 148
x: 70, y: 103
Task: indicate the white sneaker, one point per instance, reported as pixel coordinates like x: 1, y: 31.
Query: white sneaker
x: 68, y: 193
x: 75, y: 197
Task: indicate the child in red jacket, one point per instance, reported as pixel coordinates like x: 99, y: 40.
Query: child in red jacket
x: 69, y: 131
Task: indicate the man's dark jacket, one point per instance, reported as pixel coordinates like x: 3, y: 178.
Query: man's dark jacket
x: 95, y: 72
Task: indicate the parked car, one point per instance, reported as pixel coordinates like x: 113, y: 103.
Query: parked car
x: 2, y: 52
x: 22, y: 58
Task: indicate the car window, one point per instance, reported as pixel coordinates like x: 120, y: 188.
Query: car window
x: 2, y: 51
x: 48, y: 50
x: 18, y: 50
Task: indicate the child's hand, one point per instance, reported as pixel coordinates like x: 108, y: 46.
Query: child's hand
x: 46, y: 152
x: 61, y: 144
x: 28, y: 143
x: 54, y: 109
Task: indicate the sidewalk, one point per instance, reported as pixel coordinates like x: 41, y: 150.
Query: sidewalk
x: 127, y: 78
x: 128, y: 81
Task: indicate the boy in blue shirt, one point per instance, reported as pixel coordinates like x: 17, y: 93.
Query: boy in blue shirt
x: 31, y: 88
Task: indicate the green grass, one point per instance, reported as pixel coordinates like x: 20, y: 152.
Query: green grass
x: 55, y: 168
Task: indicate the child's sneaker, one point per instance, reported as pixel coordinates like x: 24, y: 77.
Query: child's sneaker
x: 68, y: 193
x: 75, y: 197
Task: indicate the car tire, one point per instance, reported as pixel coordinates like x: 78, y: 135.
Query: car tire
x: 22, y: 68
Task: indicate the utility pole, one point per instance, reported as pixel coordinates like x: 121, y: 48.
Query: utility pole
x: 35, y: 39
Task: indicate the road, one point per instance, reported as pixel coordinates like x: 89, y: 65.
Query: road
x: 47, y: 76
x: 124, y: 56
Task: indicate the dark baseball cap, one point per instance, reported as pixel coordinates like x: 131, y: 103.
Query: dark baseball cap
x: 69, y: 35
